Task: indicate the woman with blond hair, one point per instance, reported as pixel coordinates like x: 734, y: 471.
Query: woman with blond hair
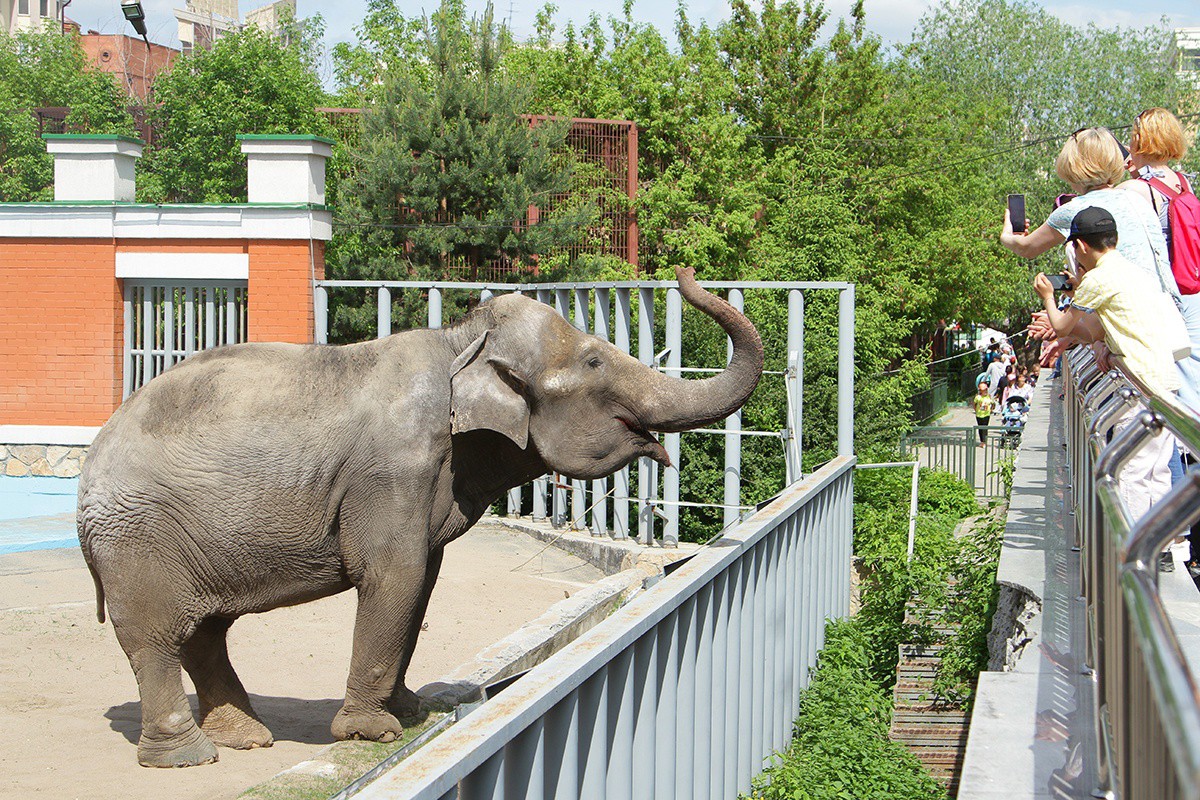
x: 1156, y: 139
x: 1092, y: 164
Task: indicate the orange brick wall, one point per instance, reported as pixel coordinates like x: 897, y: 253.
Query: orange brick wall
x: 281, y: 292
x: 62, y: 317
x: 60, y: 331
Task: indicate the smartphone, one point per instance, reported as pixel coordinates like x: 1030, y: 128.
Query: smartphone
x: 1016, y: 212
x: 1060, y: 282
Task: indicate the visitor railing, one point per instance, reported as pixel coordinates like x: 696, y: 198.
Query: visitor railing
x: 1148, y: 706
x: 624, y: 314
x: 681, y: 694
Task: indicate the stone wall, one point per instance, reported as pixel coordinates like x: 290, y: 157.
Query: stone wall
x: 48, y: 460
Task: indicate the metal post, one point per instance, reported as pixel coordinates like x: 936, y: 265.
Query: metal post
x: 912, y: 511
x: 579, y: 502
x: 320, y: 315
x: 795, y: 379
x: 147, y: 334
x: 733, y: 442
x: 559, y: 499
x: 383, y: 317
x: 189, y: 321
x: 845, y: 384
x: 168, y: 327
x: 624, y: 322
x: 600, y: 325
x: 127, y: 366
x: 671, y: 440
x: 647, y: 473
x: 435, y: 307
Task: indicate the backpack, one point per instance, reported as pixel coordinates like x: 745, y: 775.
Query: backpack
x: 1183, y: 234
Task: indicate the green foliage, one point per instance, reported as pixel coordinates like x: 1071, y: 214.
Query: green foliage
x: 840, y: 747
x: 448, y: 169
x: 890, y: 581
x: 250, y: 82
x: 43, y: 68
x: 974, y: 574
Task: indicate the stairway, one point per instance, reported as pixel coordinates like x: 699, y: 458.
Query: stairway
x: 933, y: 730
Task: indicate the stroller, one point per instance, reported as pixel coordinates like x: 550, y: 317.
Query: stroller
x: 1015, y: 413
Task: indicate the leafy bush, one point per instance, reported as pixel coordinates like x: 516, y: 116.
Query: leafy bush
x: 840, y: 747
x: 975, y: 596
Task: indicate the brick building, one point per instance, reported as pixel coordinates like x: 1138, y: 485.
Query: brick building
x: 101, y: 293
x: 128, y: 57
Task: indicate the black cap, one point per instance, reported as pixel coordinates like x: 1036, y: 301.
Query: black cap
x: 1092, y: 220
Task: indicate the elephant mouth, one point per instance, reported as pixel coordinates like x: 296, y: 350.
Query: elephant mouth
x: 647, y: 444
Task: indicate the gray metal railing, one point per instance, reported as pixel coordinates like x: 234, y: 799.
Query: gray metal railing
x: 680, y: 694
x: 1148, y: 704
x: 956, y: 450
x: 165, y: 322
x: 624, y: 314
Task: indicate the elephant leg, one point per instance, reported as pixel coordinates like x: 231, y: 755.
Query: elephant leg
x: 387, y: 604
x: 225, y: 711
x: 404, y: 702
x: 170, y: 736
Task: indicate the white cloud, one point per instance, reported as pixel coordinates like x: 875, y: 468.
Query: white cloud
x: 1081, y: 15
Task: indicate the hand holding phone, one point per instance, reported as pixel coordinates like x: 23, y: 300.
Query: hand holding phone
x: 1016, y: 212
x: 1061, y: 283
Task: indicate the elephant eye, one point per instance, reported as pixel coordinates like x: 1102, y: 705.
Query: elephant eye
x: 595, y: 363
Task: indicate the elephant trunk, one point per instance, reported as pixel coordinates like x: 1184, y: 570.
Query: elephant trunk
x: 672, y: 404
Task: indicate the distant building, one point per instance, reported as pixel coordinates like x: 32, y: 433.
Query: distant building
x: 25, y: 15
x: 1187, y: 43
x: 203, y: 22
x: 129, y: 59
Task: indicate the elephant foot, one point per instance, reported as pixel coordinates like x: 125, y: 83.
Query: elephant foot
x: 376, y: 726
x: 188, y: 749
x: 408, y: 707
x: 229, y: 726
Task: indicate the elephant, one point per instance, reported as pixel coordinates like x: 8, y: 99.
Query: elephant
x: 261, y: 475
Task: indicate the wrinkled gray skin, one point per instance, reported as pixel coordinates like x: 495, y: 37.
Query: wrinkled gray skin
x: 264, y: 475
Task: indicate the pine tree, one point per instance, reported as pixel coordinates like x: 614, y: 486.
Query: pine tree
x: 449, y: 169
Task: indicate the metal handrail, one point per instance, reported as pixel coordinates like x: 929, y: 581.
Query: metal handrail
x: 1132, y: 644
x: 631, y: 304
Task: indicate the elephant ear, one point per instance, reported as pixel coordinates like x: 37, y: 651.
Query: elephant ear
x: 483, y: 395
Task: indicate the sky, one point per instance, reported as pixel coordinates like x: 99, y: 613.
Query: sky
x: 892, y: 20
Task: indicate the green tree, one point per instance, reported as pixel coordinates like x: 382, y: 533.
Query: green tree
x: 250, y: 82
x: 448, y: 169
x: 43, y: 68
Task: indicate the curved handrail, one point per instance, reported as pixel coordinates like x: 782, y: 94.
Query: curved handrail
x: 1137, y: 544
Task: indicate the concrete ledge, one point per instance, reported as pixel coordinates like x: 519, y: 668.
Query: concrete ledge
x: 536, y: 641
x: 1032, y: 734
x: 69, y: 435
x: 610, y: 556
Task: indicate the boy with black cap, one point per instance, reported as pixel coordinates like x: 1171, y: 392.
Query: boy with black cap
x: 1116, y: 292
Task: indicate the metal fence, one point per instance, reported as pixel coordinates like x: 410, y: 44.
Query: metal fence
x: 929, y: 403
x: 681, y: 694
x: 624, y: 314
x: 167, y: 322
x: 957, y: 450
x: 1148, y: 702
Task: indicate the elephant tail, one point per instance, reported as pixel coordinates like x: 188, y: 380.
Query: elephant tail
x: 84, y: 541
x: 99, y: 591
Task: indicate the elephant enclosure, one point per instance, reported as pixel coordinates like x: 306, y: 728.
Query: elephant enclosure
x: 69, y: 710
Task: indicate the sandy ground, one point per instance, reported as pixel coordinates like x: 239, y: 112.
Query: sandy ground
x: 69, y: 710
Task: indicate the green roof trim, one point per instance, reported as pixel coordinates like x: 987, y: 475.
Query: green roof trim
x: 164, y: 206
x: 92, y: 137
x: 286, y: 137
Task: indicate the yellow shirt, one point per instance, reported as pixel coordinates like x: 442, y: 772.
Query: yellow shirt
x: 984, y: 403
x: 1120, y: 295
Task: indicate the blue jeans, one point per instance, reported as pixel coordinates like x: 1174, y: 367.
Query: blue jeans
x: 1189, y: 368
